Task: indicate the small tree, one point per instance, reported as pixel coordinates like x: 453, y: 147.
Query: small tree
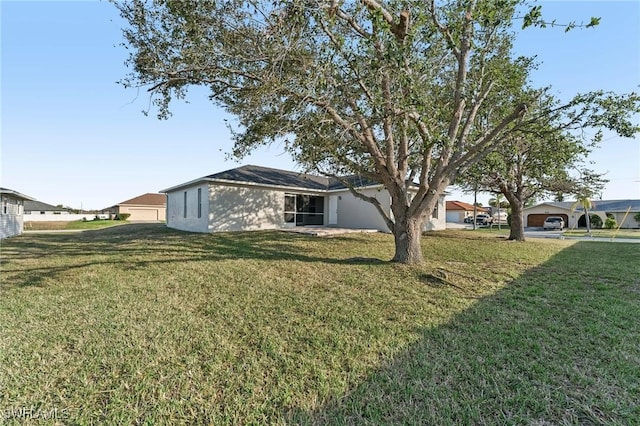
x: 610, y: 223
x: 637, y: 218
x: 585, y: 187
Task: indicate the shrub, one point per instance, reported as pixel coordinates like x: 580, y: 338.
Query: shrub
x: 596, y: 221
x: 122, y: 216
x: 610, y: 223
x: 637, y: 218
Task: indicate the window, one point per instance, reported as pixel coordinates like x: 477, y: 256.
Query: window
x: 185, y: 204
x: 199, y: 202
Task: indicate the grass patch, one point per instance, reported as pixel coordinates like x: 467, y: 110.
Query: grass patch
x: 142, y: 324
x: 72, y: 225
x: 605, y: 233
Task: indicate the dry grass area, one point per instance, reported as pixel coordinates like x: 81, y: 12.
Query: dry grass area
x: 45, y: 226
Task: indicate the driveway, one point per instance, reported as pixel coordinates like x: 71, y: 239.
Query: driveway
x: 540, y: 233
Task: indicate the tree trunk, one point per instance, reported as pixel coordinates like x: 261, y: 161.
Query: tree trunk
x: 516, y: 227
x: 517, y: 220
x: 587, y: 218
x: 407, y: 233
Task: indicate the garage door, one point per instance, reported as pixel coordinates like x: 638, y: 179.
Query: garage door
x: 537, y: 220
x: 143, y: 214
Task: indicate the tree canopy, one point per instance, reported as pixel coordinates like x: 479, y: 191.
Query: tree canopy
x: 408, y: 94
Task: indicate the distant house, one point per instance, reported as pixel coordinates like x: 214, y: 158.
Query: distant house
x: 623, y: 211
x: 253, y: 198
x: 35, y: 207
x: 11, y: 212
x: 457, y: 211
x: 146, y: 207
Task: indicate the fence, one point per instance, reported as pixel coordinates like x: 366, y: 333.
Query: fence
x: 50, y: 217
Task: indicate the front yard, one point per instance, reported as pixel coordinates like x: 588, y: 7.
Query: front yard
x: 139, y: 324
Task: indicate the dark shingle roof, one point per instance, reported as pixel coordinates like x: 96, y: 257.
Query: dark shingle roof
x: 39, y: 206
x: 276, y: 177
x: 617, y: 205
x: 268, y: 176
x: 353, y: 180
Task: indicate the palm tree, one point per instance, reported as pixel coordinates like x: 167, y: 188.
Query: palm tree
x: 585, y: 202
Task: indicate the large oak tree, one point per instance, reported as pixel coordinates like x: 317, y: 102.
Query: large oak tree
x: 405, y: 93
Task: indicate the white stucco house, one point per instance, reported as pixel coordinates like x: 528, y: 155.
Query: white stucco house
x: 256, y: 198
x: 11, y: 212
x: 623, y: 211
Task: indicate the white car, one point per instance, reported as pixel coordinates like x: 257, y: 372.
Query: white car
x: 553, y: 222
x: 483, y: 219
x: 500, y: 218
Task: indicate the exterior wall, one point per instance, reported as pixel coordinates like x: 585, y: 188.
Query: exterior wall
x: 355, y: 213
x: 175, y: 213
x: 439, y: 222
x: 11, y: 211
x: 143, y: 212
x: 359, y: 214
x: 629, y: 221
x: 242, y: 208
x: 245, y: 208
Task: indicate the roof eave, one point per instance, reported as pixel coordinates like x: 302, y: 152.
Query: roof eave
x: 229, y: 182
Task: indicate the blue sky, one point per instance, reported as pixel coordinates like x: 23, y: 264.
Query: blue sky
x: 71, y: 135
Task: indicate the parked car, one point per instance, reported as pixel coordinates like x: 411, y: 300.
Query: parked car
x: 500, y: 217
x: 553, y: 222
x: 483, y: 219
x: 468, y: 219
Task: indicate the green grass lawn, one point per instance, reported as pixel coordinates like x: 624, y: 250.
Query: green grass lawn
x: 139, y: 324
x: 604, y: 233
x: 72, y: 225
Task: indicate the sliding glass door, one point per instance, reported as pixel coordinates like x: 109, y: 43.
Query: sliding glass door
x: 301, y: 210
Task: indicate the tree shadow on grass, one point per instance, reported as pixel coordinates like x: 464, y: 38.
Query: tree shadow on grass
x: 559, y: 345
x: 136, y: 246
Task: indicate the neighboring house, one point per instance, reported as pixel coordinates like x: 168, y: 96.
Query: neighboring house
x: 623, y: 211
x: 38, y: 207
x: 253, y: 198
x: 457, y: 211
x: 11, y: 212
x: 146, y: 207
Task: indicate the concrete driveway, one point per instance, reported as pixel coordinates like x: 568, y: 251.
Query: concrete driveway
x: 554, y: 234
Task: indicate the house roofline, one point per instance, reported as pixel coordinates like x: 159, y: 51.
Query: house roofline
x: 15, y: 194
x: 228, y: 182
